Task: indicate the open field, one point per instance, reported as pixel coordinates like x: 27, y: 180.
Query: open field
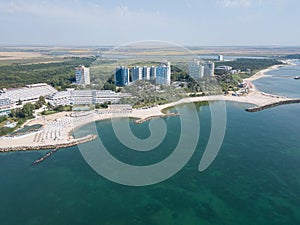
x: 140, y: 48
x: 18, y: 55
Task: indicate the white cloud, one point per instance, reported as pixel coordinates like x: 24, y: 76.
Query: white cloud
x: 234, y: 3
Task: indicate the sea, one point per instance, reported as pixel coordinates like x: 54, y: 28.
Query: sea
x: 281, y: 82
x: 254, y: 179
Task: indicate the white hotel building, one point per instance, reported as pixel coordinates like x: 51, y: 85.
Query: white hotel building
x: 31, y: 93
x: 85, y: 97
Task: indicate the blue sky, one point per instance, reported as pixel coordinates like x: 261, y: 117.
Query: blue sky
x: 186, y: 22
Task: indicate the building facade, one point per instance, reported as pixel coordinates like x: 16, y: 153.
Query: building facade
x: 85, y: 97
x: 163, y: 74
x: 146, y: 73
x: 220, y: 58
x: 136, y: 73
x: 82, y: 75
x: 196, y: 69
x: 121, y: 76
x: 152, y: 73
x: 209, y: 68
x: 29, y: 93
x: 223, y: 70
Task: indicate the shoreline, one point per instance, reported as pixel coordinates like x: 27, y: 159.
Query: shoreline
x: 50, y: 146
x: 262, y: 73
x: 56, y: 131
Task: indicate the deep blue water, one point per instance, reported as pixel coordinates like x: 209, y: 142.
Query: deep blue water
x: 253, y: 180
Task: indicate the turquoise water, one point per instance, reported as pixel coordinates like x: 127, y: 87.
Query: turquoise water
x: 281, y: 82
x: 253, y: 180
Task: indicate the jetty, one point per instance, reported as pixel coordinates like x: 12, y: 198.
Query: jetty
x: 38, y: 161
x: 267, y: 106
x: 153, y: 117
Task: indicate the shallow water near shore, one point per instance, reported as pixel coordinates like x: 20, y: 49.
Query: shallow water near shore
x: 253, y: 180
x: 281, y: 82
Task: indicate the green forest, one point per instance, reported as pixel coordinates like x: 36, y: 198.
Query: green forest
x: 253, y: 64
x: 58, y: 74
x: 293, y: 56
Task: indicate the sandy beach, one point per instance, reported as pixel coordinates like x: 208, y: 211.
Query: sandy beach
x: 262, y: 73
x: 57, y: 128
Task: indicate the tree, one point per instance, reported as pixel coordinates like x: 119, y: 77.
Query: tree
x: 19, y: 102
x: 97, y: 106
x: 109, y: 86
x: 28, y: 110
x: 2, y: 118
x: 42, y: 100
x: 13, y: 113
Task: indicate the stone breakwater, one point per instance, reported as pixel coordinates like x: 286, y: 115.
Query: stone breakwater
x: 38, y: 161
x: 50, y: 146
x: 263, y: 107
x: 153, y: 117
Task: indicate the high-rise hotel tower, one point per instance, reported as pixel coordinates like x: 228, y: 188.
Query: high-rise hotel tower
x: 82, y: 75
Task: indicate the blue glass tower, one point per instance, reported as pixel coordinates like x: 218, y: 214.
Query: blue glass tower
x: 121, y: 76
x: 163, y: 74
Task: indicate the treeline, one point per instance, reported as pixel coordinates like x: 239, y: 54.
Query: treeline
x: 252, y: 64
x: 23, y: 113
x: 55, y: 109
x: 293, y: 56
x: 58, y: 74
x: 145, y: 94
x: 26, y: 112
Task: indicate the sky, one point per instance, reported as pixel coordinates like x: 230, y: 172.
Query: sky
x: 185, y: 22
